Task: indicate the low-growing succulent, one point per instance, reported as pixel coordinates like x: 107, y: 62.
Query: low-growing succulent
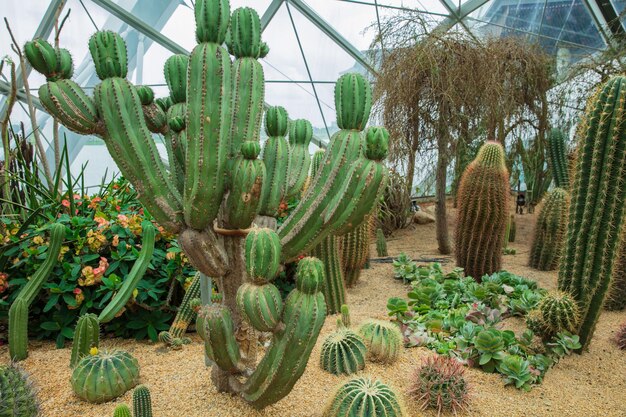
x: 17, y: 395
x: 490, y: 345
x: 104, y: 376
x: 620, y: 338
x: 439, y: 383
x: 343, y: 352
x: 382, y: 339
x: 362, y: 397
x: 516, y: 371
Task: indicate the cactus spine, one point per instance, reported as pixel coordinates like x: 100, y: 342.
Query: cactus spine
x: 381, y: 243
x: 550, y: 229
x: 86, y: 336
x: 300, y: 134
x: 104, y: 376
x: 17, y: 393
x: 18, y: 312
x: 598, y: 202
x: 354, y: 253
x: 557, y: 152
x: 345, y: 316
x: 559, y: 312
x: 482, y: 199
x: 136, y: 273
x: 362, y: 397
x: 142, y: 402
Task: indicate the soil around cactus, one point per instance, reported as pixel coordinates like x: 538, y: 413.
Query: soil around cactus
x: 592, y: 384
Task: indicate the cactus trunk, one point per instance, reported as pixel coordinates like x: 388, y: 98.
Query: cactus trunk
x: 547, y: 246
x: 354, y: 253
x: 334, y: 287
x: 598, y: 204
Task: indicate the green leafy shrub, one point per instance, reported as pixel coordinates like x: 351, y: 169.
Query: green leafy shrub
x: 103, y: 239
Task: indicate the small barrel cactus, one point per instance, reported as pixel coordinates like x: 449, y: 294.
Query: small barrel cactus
x: 343, y: 352
x: 439, y: 383
x: 362, y: 397
x: 559, y: 312
x: 104, y: 376
x: 122, y: 410
x: 142, y: 402
x: 17, y: 395
x: 383, y: 340
x: 381, y: 243
x: 550, y: 231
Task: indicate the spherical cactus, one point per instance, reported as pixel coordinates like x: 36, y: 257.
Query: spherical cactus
x: 482, y: 199
x: 17, y: 395
x: 383, y: 340
x: 439, y: 383
x: 343, y: 352
x: 310, y: 275
x: 142, y: 402
x: 559, y: 312
x: 353, y: 101
x: 262, y: 249
x: 550, y: 231
x: 260, y: 305
x: 166, y: 337
x: 362, y: 397
x: 122, y: 410
x: 108, y: 51
x: 104, y: 376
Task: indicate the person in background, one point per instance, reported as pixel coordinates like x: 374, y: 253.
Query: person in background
x: 520, y: 203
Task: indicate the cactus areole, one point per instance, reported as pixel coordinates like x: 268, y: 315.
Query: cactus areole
x: 216, y: 188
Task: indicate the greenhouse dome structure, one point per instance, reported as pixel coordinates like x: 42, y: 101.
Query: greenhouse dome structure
x: 331, y: 208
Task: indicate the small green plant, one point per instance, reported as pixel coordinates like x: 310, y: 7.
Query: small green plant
x: 404, y: 268
x: 17, y: 395
x: 439, y: 383
x: 383, y: 340
x: 490, y: 346
x: 122, y: 410
x: 381, y: 243
x: 516, y: 371
x: 104, y: 376
x: 362, y: 397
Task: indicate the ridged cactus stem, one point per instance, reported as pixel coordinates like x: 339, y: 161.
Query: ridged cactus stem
x: 186, y: 314
x: 557, y: 151
x: 18, y: 312
x: 300, y: 134
x: 142, y: 402
x: 616, y: 300
x: 549, y: 239
x: 482, y: 197
x: 381, y: 243
x: 334, y: 287
x: 598, y: 205
x: 354, y: 253
x: 86, y: 336
x: 276, y: 160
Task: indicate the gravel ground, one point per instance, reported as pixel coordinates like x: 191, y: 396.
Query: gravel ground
x: 592, y: 384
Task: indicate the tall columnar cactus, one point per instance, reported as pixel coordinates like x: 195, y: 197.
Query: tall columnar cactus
x: 355, y: 247
x: 381, y: 243
x: 216, y: 187
x: 18, y: 312
x: 598, y: 205
x: 86, y: 336
x: 142, y: 402
x: 547, y: 246
x: 362, y: 397
x: 557, y: 152
x: 17, y: 394
x: 300, y: 134
x: 482, y: 200
x: 104, y: 376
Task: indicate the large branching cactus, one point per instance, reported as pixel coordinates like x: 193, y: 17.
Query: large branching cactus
x: 217, y: 191
x: 598, y: 206
x: 482, y: 197
x: 547, y: 246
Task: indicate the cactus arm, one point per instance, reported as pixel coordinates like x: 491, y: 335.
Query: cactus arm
x: 300, y: 134
x: 220, y: 344
x: 242, y: 204
x: 276, y: 161
x: 68, y: 103
x: 86, y: 336
x: 334, y: 287
x: 205, y: 251
x: 136, y: 273
x: 18, y: 330
x: 287, y: 356
x: 208, y: 125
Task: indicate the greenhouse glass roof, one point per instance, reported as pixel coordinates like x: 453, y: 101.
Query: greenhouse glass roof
x: 311, y: 43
